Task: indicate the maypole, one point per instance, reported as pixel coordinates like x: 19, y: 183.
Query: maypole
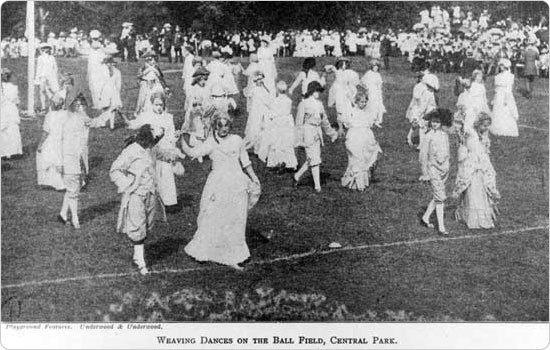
x: 32, y: 52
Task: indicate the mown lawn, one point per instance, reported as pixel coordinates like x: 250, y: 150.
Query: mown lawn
x: 503, y: 278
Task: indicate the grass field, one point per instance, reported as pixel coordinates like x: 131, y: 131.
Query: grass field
x: 391, y: 268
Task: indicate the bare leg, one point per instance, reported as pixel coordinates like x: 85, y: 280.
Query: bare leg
x: 301, y: 171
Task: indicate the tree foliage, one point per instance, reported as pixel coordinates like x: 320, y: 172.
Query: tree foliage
x: 253, y: 15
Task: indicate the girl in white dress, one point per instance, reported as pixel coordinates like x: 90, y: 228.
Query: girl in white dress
x: 151, y: 80
x: 475, y: 185
x: 505, y: 112
x: 311, y: 121
x: 478, y: 93
x: 252, y: 68
x: 343, y: 90
x: 372, y: 82
x: 74, y: 151
x: 97, y: 71
x: 165, y: 152
x: 197, y: 103
x: 10, y: 136
x: 49, y: 156
x: 277, y: 142
x: 227, y: 197
x: 261, y: 100
x: 133, y: 172
x: 266, y: 60
x: 109, y: 94
x: 361, y: 146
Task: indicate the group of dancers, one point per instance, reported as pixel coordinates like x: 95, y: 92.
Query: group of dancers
x: 145, y: 171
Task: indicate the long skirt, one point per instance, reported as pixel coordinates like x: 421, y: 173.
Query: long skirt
x: 220, y: 235
x: 475, y: 207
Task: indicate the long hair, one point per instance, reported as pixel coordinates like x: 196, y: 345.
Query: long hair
x: 144, y: 137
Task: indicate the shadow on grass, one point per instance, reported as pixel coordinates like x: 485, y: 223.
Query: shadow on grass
x: 96, y: 161
x: 162, y: 249
x: 95, y: 211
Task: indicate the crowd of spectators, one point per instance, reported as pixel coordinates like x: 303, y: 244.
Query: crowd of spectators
x: 442, y: 39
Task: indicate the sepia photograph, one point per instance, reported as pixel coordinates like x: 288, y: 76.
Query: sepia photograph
x: 326, y: 164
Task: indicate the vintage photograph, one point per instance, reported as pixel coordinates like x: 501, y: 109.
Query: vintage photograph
x: 265, y: 161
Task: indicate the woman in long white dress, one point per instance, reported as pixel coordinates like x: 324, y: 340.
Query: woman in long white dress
x: 49, y: 157
x: 226, y: 198
x: 475, y: 185
x: 372, y: 82
x: 10, y: 135
x: 361, y: 146
x: 261, y: 100
x: 165, y: 152
x: 343, y: 90
x: 505, y: 112
x: 266, y: 60
x: 151, y: 80
x: 97, y: 71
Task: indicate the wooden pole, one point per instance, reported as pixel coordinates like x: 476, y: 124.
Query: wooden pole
x: 32, y: 52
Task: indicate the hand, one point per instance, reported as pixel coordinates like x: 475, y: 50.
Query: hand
x: 334, y: 137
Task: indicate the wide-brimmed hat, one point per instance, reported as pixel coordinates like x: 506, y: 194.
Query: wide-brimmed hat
x: 431, y: 80
x: 216, y: 54
x: 51, y: 35
x: 314, y: 86
x: 374, y: 62
x: 45, y: 46
x: 167, y: 25
x: 149, y: 54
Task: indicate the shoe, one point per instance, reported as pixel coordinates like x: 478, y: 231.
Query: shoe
x: 236, y: 267
x: 143, y: 270
x: 294, y: 182
x: 61, y: 219
x: 426, y: 223
x: 318, y: 190
x: 76, y: 225
x: 444, y: 232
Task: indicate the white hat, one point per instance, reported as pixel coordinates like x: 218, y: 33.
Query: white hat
x: 167, y: 25
x: 431, y: 80
x: 74, y: 30
x: 95, y: 34
x: 51, y: 35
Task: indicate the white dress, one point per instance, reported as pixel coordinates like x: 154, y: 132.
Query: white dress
x: 277, y: 141
x: 267, y: 64
x: 10, y: 136
x: 97, y: 74
x: 50, y: 155
x: 478, y: 97
x: 260, y: 110
x: 372, y: 81
x: 164, y: 152
x: 362, y: 149
x: 221, y: 223
x: 505, y: 111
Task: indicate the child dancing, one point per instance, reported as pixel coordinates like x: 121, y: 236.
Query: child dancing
x: 311, y: 120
